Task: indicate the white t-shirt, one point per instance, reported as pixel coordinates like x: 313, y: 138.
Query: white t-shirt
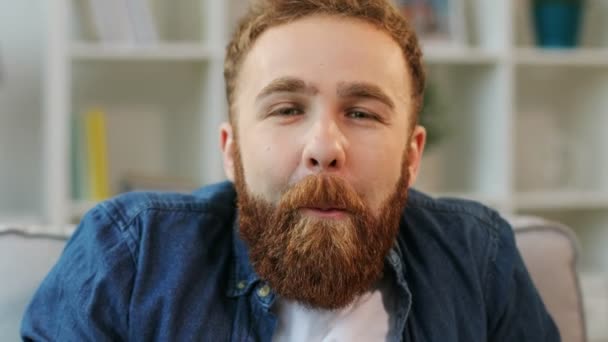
x: 366, y: 319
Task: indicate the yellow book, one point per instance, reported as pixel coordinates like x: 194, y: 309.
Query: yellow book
x: 97, y: 155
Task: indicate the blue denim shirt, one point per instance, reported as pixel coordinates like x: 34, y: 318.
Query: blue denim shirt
x: 170, y: 267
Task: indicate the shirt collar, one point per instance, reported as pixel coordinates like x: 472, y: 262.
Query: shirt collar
x: 242, y: 277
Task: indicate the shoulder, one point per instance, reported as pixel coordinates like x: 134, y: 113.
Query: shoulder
x: 476, y: 242
x: 456, y: 217
x: 452, y: 207
x: 160, y: 220
x: 118, y: 241
x: 215, y: 200
x: 468, y: 235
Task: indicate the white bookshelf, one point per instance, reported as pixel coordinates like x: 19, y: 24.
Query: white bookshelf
x: 526, y: 126
x: 194, y: 52
x: 461, y: 55
x: 561, y: 200
x: 493, y: 90
x: 490, y: 89
x: 178, y: 80
x: 583, y: 57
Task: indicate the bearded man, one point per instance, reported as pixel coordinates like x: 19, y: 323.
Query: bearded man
x: 317, y: 236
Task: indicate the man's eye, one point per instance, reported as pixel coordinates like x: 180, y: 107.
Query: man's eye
x: 287, y: 111
x: 357, y: 114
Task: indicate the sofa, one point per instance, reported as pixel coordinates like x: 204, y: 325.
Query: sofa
x: 549, y: 250
x: 26, y: 255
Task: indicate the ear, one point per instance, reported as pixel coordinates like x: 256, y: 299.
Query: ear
x: 416, y: 149
x: 227, y: 145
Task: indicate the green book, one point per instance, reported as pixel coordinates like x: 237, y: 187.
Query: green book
x: 78, y: 160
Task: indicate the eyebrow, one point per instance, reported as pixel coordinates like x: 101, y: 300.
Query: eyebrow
x: 364, y: 90
x: 345, y: 90
x: 286, y: 85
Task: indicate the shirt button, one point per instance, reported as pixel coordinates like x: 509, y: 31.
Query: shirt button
x: 241, y: 285
x: 264, y: 291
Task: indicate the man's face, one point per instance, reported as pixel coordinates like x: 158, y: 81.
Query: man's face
x: 322, y: 103
x: 312, y: 97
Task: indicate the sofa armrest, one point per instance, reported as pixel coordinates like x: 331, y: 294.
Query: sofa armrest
x: 550, y: 252
x: 26, y: 256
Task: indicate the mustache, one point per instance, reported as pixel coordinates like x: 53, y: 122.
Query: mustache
x: 323, y: 191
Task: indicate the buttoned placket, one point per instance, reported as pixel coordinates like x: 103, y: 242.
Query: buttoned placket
x: 404, y: 295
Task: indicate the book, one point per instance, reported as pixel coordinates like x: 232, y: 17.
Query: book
x: 99, y: 16
x: 1, y: 69
x: 142, y: 20
x: 78, y: 159
x: 436, y: 22
x: 97, y: 157
x: 122, y: 148
x: 111, y: 21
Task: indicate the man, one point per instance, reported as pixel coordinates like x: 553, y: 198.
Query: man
x: 319, y: 238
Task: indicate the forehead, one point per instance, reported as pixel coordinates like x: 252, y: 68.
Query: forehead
x: 324, y: 51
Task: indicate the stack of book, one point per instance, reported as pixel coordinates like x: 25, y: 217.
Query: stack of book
x: 123, y: 149
x: 437, y: 22
x: 123, y: 21
x: 89, y: 158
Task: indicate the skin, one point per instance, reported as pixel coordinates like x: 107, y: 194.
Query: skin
x: 319, y: 95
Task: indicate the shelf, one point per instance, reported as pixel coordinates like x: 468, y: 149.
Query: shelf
x: 79, y: 208
x: 38, y: 228
x: 19, y: 221
x: 489, y: 200
x: 459, y: 55
x: 562, y: 57
x: 160, y: 52
x: 559, y: 200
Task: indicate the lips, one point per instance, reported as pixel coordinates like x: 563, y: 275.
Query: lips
x: 325, y: 212
x: 327, y: 208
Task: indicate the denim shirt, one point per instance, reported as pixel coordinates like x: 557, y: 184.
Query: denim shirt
x: 171, y: 267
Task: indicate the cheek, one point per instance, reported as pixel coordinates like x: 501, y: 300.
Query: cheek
x: 378, y: 169
x: 268, y: 165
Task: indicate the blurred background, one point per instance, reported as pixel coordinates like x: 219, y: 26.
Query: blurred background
x: 98, y: 97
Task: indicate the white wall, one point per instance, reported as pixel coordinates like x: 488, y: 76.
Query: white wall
x: 21, y: 49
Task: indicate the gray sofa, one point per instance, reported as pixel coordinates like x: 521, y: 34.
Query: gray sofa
x: 549, y: 251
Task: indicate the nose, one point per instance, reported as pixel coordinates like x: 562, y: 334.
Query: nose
x: 324, y: 150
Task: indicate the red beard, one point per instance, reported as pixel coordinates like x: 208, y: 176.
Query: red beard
x: 319, y: 262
